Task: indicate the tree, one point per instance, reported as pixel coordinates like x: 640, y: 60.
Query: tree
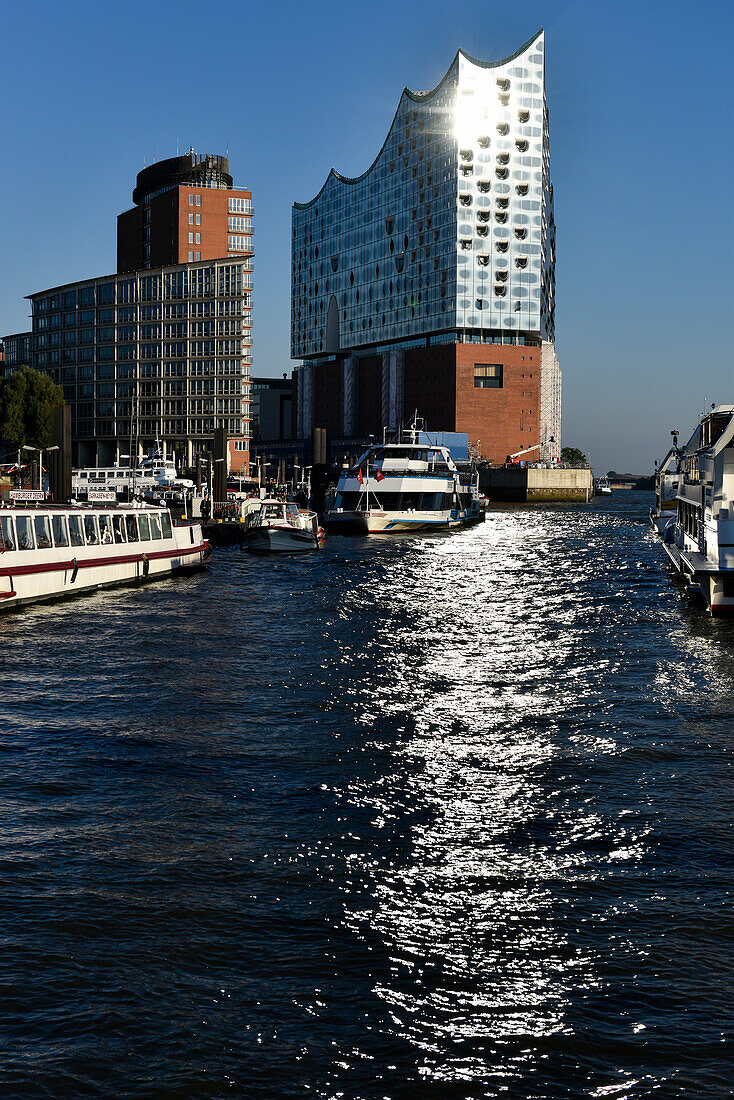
x: 26, y: 408
x: 573, y: 456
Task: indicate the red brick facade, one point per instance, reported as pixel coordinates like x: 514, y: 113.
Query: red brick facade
x: 170, y: 228
x: 499, y: 421
x: 439, y: 383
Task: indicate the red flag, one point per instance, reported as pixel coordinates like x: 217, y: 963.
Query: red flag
x: 360, y: 479
x: 378, y: 474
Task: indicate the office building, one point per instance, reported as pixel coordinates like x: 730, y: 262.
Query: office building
x: 271, y: 401
x: 161, y: 350
x: 161, y: 354
x: 17, y: 352
x: 427, y: 283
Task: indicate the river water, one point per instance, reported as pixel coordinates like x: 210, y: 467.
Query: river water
x: 432, y: 816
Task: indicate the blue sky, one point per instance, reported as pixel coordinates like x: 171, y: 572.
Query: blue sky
x: 640, y: 98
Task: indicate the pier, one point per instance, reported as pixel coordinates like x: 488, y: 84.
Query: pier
x: 535, y: 485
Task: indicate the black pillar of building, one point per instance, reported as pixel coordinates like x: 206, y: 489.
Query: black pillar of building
x: 220, y: 464
x: 59, y: 462
x: 319, y: 469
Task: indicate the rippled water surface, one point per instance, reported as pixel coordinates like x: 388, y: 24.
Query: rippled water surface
x: 431, y: 816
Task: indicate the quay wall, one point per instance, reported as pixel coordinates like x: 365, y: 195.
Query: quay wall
x: 515, y: 484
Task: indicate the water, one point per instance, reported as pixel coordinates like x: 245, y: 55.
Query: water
x: 431, y: 816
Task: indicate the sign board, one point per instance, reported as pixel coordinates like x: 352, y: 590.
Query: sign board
x: 27, y: 494
x: 101, y: 495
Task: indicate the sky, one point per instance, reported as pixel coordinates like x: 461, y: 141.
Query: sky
x: 640, y: 97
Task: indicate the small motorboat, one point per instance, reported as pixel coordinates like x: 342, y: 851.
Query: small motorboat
x: 602, y: 486
x: 281, y: 525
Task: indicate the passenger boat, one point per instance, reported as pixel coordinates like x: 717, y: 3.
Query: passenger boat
x: 50, y: 551
x: 154, y: 474
x: 279, y: 525
x: 602, y: 486
x: 667, y: 479
x: 406, y: 486
x: 700, y: 543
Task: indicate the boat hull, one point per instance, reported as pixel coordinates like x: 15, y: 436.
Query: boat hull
x: 281, y: 539
x: 378, y: 523
x: 714, y: 586
x: 55, y: 580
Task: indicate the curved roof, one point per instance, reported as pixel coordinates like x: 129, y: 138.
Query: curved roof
x: 418, y: 97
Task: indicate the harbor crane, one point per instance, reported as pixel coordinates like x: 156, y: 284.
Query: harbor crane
x: 535, y: 447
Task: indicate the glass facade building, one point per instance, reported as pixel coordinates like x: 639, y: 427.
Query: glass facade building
x: 157, y: 354
x: 448, y: 237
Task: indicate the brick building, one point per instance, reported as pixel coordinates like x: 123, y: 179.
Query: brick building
x: 161, y: 350
x: 186, y: 210
x: 428, y: 282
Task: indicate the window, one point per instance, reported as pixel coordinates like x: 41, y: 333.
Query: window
x: 24, y: 527
x: 191, y: 238
x: 198, y: 238
x: 76, y: 530
x: 155, y: 527
x: 488, y: 376
x: 191, y: 255
x: 144, y: 528
x: 105, y: 530
x: 166, y: 525
x: 43, y: 532
x: 240, y: 225
x: 198, y: 219
x: 191, y: 219
x: 7, y: 539
x: 61, y: 534
x: 198, y: 255
x: 132, y: 529
x: 191, y: 200
x: 239, y: 244
x: 118, y: 526
x: 198, y: 200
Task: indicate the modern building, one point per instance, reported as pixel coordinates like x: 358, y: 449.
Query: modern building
x: 271, y: 401
x: 186, y: 210
x: 17, y: 352
x: 162, y: 350
x: 161, y: 354
x: 427, y: 283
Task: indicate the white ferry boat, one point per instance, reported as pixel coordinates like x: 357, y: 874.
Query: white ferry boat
x: 667, y: 479
x: 407, y: 486
x: 602, y: 486
x: 50, y: 551
x: 700, y: 543
x: 153, y: 474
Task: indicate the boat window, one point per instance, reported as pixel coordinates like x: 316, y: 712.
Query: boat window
x: 76, y: 530
x: 24, y: 527
x: 90, y: 531
x: 105, y: 530
x: 144, y: 526
x: 166, y: 525
x: 43, y: 532
x: 271, y: 511
x: 61, y: 533
x: 7, y: 534
x: 118, y: 526
x: 132, y: 529
x: 155, y: 527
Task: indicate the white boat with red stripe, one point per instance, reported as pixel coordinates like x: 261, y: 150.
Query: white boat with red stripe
x: 50, y: 551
